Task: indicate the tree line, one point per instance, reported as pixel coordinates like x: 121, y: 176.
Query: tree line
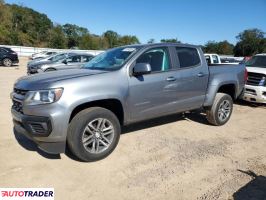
x: 249, y: 42
x: 24, y: 26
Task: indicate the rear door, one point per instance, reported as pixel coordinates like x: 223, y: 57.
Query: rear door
x: 193, y: 78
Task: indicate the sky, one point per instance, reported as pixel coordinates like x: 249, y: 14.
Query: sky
x: 190, y: 21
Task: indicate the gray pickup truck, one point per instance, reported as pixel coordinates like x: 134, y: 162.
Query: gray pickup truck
x: 84, y: 109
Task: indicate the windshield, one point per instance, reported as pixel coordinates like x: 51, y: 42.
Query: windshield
x: 112, y: 59
x: 257, y: 61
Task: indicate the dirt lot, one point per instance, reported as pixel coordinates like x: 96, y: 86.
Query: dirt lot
x: 173, y: 157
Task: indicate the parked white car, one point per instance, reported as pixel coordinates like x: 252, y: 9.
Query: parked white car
x: 42, y: 54
x: 213, y: 58
x: 255, y: 88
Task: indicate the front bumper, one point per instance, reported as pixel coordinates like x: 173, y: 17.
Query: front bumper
x: 255, y: 94
x: 38, y: 129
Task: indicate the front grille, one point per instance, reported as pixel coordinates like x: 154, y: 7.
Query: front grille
x: 256, y: 79
x: 17, y: 106
x: 18, y: 97
x: 20, y: 91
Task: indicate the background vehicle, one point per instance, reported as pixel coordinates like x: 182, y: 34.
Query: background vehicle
x: 34, y: 65
x: 8, y: 57
x: 216, y: 59
x: 85, y: 108
x: 231, y: 60
x: 42, y: 54
x: 255, y: 88
x: 212, y: 59
x: 73, y: 61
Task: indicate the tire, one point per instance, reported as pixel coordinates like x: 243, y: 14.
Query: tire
x: 220, y: 112
x: 7, y: 62
x: 50, y: 70
x: 83, y: 134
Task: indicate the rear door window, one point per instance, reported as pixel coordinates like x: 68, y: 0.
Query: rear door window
x: 188, y: 56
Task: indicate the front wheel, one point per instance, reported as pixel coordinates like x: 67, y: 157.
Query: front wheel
x: 220, y: 112
x: 93, y: 134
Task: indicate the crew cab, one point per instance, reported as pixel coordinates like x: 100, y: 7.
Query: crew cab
x: 84, y: 109
x: 255, y: 88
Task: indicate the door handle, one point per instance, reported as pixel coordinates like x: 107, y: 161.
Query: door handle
x: 171, y: 78
x: 200, y: 74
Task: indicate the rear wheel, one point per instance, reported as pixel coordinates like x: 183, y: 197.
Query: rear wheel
x: 221, y: 110
x: 93, y: 134
x: 7, y: 62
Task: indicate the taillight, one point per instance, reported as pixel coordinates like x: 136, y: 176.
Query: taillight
x: 246, y: 75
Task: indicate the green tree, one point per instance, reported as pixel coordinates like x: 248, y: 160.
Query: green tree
x: 74, y: 34
x: 31, y: 27
x: 223, y: 47
x: 20, y: 25
x: 57, y: 38
x: 6, y: 23
x: 210, y: 47
x: 112, y: 38
x: 249, y: 42
x: 262, y: 46
x: 127, y: 40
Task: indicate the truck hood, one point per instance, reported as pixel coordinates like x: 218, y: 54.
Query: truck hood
x: 260, y: 70
x: 44, y: 80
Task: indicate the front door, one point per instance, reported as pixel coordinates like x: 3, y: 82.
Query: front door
x: 153, y: 94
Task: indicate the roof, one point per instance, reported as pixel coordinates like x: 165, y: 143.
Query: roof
x: 161, y: 44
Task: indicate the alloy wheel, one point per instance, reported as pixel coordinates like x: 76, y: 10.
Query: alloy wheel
x: 98, y: 135
x: 7, y: 62
x: 224, y: 110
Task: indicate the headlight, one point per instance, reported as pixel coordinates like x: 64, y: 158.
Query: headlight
x: 43, y: 96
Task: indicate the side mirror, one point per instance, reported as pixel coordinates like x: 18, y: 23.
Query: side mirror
x: 64, y: 61
x: 141, y: 68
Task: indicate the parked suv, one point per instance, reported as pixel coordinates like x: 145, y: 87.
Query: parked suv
x: 85, y: 108
x: 8, y: 57
x: 255, y: 88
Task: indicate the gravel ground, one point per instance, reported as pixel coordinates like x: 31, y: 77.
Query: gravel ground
x: 174, y: 157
